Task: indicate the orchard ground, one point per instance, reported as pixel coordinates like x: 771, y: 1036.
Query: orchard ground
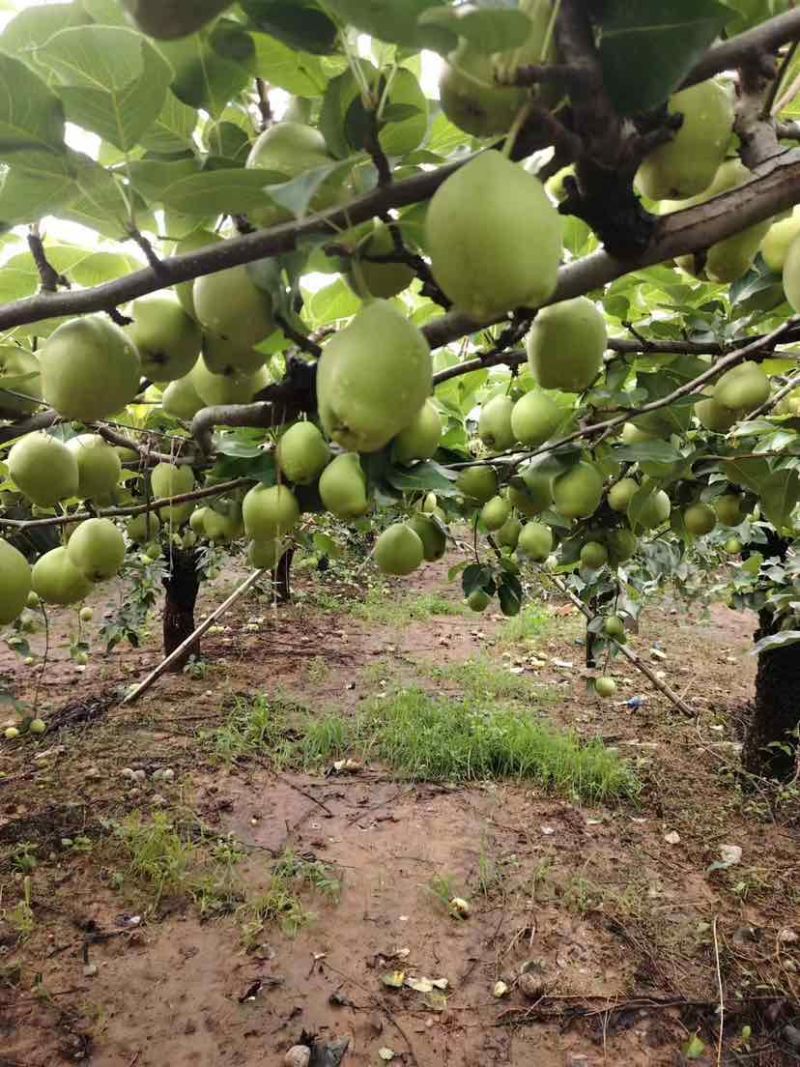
x: 193, y: 881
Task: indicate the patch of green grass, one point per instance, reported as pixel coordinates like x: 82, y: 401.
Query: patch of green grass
x: 253, y: 727
x: 317, y: 670
x: 481, y: 679
x: 385, y: 608
x: 532, y: 623
x: 156, y: 853
x: 280, y: 902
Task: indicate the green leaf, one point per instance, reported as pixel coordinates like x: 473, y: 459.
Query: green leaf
x: 151, y: 177
x: 779, y: 495
x: 477, y: 576
x: 335, y: 301
x: 31, y: 114
x: 509, y: 592
x: 28, y: 30
x: 104, y: 58
x: 211, y: 66
x: 229, y: 191
x: 748, y: 473
x: 102, y: 204
x: 172, y: 130
x: 773, y: 641
x: 297, y: 194
x: 427, y: 476
x: 300, y: 73
x: 487, y: 29
x: 27, y: 195
x: 397, y: 21
x: 657, y: 451
x: 648, y: 46
x: 299, y: 24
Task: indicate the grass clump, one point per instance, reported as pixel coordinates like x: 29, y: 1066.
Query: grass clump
x: 533, y: 622
x: 281, y: 903
x: 254, y: 727
x: 480, y: 678
x: 384, y: 608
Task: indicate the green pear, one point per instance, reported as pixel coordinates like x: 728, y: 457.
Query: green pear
x: 19, y: 378
x: 15, y: 582
x: 791, y: 275
x: 686, y: 165
x: 97, y: 549
x: 434, y: 540
x: 193, y: 242
x: 494, y: 238
x: 620, y: 493
x: 230, y: 305
x: 343, y: 487
x: 535, y: 541
x: 167, y: 339
x: 622, y: 543
x: 168, y: 480
x: 508, y: 534
x: 742, y: 388
x: 285, y: 151
x: 166, y: 19
x: 577, y: 492
x: 303, y: 453
x: 477, y: 483
x: 197, y: 521
x: 218, y: 528
x: 430, y: 503
x: 181, y: 400
x: 144, y: 528
x: 233, y: 388
x: 535, y: 419
x: 398, y: 550
x: 269, y: 512
x: 655, y: 511
x: 470, y: 97
x: 614, y: 627
x: 99, y: 466
x: 566, y: 345
x: 494, y: 423
x: 714, y: 416
x: 43, y: 469
x: 495, y: 513
x: 90, y: 369
x: 728, y: 508
x: 56, y: 580
x: 265, y: 555
x: 778, y: 240
x: 733, y: 546
x: 531, y: 491
x: 478, y: 600
x: 556, y: 185
x: 221, y: 356
x: 634, y: 435
x: 593, y: 555
x: 605, y: 686
x: 699, y: 519
x: 420, y: 439
x: 381, y: 279
x: 372, y: 378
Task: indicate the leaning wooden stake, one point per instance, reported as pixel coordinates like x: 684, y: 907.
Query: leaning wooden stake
x: 164, y: 665
x: 634, y: 658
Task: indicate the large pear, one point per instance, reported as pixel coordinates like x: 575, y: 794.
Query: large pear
x: 97, y: 548
x: 367, y: 271
x: 420, y: 439
x: 56, y: 580
x: 398, y: 550
x: 168, y: 340
x: 778, y: 240
x: 577, y: 492
x: 791, y: 274
x: 373, y: 378
x: 494, y: 423
x: 269, y: 512
x: 478, y: 483
x: 535, y: 541
x: 566, y: 345
x: 303, y: 453
x: 15, y: 582
x: 231, y: 306
x: 343, y: 487
x: 44, y: 469
x: 686, y: 165
x: 165, y: 19
x: 99, y: 466
x: 284, y: 152
x: 193, y: 242
x: 20, y: 381
x: 233, y: 388
x: 168, y: 480
x: 433, y: 537
x: 714, y: 416
x: 494, y: 237
x: 535, y: 418
x: 181, y: 400
x: 225, y: 357
x: 742, y: 388
x: 90, y: 369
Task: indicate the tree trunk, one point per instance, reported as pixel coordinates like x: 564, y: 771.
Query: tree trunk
x: 181, y: 585
x: 280, y: 577
x: 776, y: 710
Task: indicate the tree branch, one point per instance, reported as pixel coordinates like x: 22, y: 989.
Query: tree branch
x: 40, y: 421
x: 766, y: 37
x: 108, y: 433
x: 754, y: 125
x: 49, y: 278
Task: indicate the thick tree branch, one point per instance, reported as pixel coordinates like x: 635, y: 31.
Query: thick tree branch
x: 788, y: 131
x: 767, y: 37
x: 754, y: 125
x: 40, y: 421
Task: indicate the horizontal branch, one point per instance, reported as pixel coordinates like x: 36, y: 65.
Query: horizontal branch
x: 766, y: 37
x: 134, y: 509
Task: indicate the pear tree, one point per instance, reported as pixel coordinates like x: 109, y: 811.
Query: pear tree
x: 526, y: 270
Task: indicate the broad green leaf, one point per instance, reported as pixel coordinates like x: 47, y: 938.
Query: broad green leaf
x: 748, y: 473
x: 648, y: 46
x: 31, y: 114
x: 152, y: 176
x: 28, y: 30
x: 105, y: 58
x: 773, y: 641
x: 398, y: 21
x: 173, y: 128
x: 300, y: 73
x: 26, y: 196
x: 297, y: 194
x: 210, y: 67
x: 428, y: 476
x: 487, y: 29
x: 779, y: 495
x: 751, y: 12
x: 335, y: 301
x: 656, y: 450
x: 229, y: 191
x: 300, y: 24
x: 509, y: 593
x: 476, y: 576
x: 102, y: 203
x: 106, y: 12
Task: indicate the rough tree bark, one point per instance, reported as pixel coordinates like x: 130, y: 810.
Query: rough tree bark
x: 280, y: 577
x: 181, y: 583
x: 776, y: 710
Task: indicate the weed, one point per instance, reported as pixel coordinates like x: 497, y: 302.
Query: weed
x: 481, y: 679
x: 254, y: 727
x: 532, y: 623
x: 21, y: 917
x: 281, y: 903
x: 305, y: 873
x: 157, y: 855
x: 383, y: 609
x: 23, y: 857
x: 197, y: 668
x: 317, y: 670
x: 443, y: 888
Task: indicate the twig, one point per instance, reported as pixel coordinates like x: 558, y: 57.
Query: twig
x: 767, y: 37
x: 264, y: 106
x: 721, y: 991
x: 786, y: 62
x: 373, y: 146
x: 776, y: 397
x: 302, y: 340
x: 155, y: 262
x: 49, y: 277
x: 308, y: 796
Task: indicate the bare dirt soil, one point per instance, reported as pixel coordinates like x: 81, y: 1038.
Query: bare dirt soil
x: 623, y: 931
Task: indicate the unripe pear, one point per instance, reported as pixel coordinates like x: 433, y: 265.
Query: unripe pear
x: 593, y: 555
x: 478, y: 600
x: 531, y: 492
x: 477, y: 483
x: 655, y: 510
x: 434, y: 540
x: 791, y: 274
x: 303, y: 453
x: 15, y: 582
x: 99, y: 466
x: 577, y: 492
x: 90, y: 369
x: 233, y: 388
x: 221, y: 356
x: 619, y: 495
x: 699, y: 519
x: 381, y: 279
x: 733, y: 546
x: 193, y: 242
x: 535, y: 541
x: 143, y: 528
x: 742, y: 388
x: 231, y: 306
x: 778, y: 240
x: 43, y: 468
x: 284, y: 151
x: 420, y: 439
x: 97, y: 549
x: 168, y: 480
x: 265, y: 555
x: 729, y: 509
x: 634, y: 435
x: 494, y: 423
x: 622, y: 544
x: 181, y: 400
x: 504, y: 255
x: 430, y: 503
x: 19, y: 374
x: 535, y: 419
x: 605, y: 687
x: 685, y: 165
x: 495, y: 512
x: 343, y: 487
x: 508, y: 534
x: 11, y: 733
x: 166, y: 21
x: 398, y: 550
x: 566, y: 345
x: 372, y: 378
x: 269, y: 512
x: 713, y: 416
x: 470, y: 97
x: 167, y: 339
x: 614, y: 627
x: 57, y: 580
